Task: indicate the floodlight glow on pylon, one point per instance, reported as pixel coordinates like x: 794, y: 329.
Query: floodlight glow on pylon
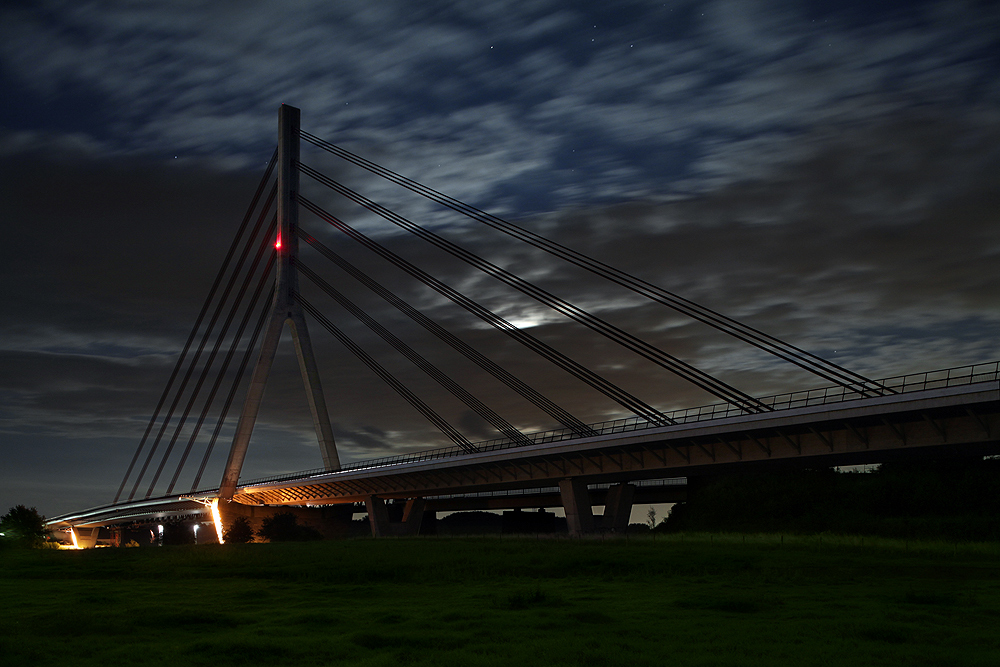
x: 217, y: 517
x: 277, y: 244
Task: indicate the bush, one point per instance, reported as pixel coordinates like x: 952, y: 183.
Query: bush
x: 638, y: 529
x: 284, y: 527
x: 23, y: 526
x: 239, y: 531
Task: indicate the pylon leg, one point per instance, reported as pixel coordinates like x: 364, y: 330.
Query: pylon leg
x: 314, y: 391
x: 251, y: 406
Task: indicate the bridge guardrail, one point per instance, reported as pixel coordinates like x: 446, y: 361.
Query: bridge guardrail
x: 948, y: 377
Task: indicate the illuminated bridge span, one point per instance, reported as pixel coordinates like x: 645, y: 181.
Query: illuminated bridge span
x: 852, y: 420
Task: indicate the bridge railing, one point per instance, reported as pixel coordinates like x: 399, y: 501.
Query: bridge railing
x: 639, y: 483
x: 948, y: 377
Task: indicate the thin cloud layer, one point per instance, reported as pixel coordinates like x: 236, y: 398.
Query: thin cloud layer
x: 564, y: 104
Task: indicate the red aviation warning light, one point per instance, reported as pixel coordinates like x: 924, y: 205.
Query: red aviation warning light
x: 277, y: 244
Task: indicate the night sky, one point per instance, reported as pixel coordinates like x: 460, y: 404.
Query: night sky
x: 825, y: 171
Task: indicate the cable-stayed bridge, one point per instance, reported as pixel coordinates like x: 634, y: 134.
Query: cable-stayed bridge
x: 227, y: 359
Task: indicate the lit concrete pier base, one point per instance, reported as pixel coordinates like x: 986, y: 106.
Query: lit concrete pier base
x: 378, y: 517
x: 617, y: 509
x: 576, y: 503
x: 86, y: 538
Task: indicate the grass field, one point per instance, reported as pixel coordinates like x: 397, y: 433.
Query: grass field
x: 677, y: 600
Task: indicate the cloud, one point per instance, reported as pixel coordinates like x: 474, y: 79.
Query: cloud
x: 526, y: 84
x: 820, y: 251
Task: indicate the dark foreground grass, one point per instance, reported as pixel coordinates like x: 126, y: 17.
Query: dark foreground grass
x: 682, y: 600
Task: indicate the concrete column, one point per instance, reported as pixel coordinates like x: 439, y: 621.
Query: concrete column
x: 377, y: 516
x: 618, y: 508
x: 413, y: 514
x: 576, y: 503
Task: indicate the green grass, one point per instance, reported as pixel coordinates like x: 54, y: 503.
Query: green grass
x: 681, y: 599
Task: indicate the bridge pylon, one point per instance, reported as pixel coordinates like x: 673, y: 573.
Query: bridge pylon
x: 285, y: 308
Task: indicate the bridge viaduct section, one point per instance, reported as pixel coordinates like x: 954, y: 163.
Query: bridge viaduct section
x: 934, y: 423
x: 940, y: 422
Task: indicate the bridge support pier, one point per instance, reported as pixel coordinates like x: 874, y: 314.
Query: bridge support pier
x: 580, y: 517
x: 378, y: 517
x: 576, y: 504
x: 86, y: 538
x: 617, y: 508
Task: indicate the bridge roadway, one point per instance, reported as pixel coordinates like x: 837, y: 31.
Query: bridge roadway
x: 938, y: 418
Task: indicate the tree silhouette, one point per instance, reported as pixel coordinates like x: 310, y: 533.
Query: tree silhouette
x: 239, y: 531
x: 177, y: 533
x: 284, y: 527
x: 23, y: 525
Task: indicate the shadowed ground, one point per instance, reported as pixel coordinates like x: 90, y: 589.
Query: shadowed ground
x: 680, y: 599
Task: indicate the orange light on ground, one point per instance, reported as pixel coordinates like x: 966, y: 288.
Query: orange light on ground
x: 216, y: 516
x: 72, y: 534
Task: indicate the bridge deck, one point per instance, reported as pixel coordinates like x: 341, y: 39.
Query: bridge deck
x: 942, y: 416
x: 840, y: 434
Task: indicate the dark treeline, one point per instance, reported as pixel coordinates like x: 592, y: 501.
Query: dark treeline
x: 956, y: 499
x: 510, y: 522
